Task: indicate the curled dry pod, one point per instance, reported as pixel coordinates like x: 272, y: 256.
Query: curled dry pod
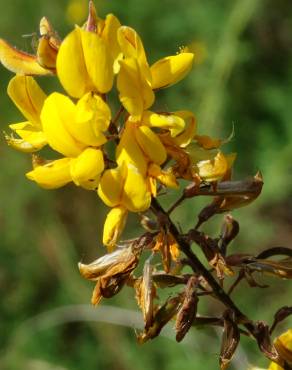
x: 230, y: 340
x: 188, y: 309
x: 145, y: 293
x: 162, y: 316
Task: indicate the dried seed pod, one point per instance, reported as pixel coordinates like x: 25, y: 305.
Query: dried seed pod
x: 188, y: 309
x: 230, y: 340
x: 162, y: 316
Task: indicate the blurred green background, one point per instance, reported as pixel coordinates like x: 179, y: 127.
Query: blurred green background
x: 242, y: 76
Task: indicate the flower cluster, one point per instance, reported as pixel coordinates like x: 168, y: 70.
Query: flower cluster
x: 153, y: 149
x: 128, y: 153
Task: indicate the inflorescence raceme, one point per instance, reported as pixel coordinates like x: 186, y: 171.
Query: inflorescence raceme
x: 153, y: 151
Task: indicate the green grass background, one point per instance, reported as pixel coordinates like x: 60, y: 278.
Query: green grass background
x: 243, y: 76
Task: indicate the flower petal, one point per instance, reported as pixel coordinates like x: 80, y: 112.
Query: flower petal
x: 151, y: 145
x: 87, y: 168
x: 52, y: 175
x: 71, y: 67
x: 128, y: 150
x: 170, y: 70
x: 92, y: 118
x: 109, y: 34
x: 132, y: 47
x: 171, y: 122
x: 214, y: 169
x: 57, y: 114
x: 28, y: 97
x: 20, y: 62
x: 167, y: 178
x: 114, y: 225
x: 136, y: 94
x: 184, y: 138
x: 98, y: 61
x: 34, y: 138
x: 111, y: 185
x: 136, y: 196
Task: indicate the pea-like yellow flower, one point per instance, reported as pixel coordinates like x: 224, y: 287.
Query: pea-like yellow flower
x: 86, y: 58
x: 29, y: 99
x: 137, y: 80
x: 124, y: 189
x: 77, y: 132
x: 143, y: 148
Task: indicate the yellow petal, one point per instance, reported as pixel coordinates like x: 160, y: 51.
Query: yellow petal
x: 136, y: 196
x: 170, y: 70
x: 30, y: 135
x: 92, y: 118
x: 57, y: 114
x: 46, y: 54
x: 20, y: 62
x: 71, y: 67
x: 109, y: 34
x: 214, y: 169
x: 21, y: 145
x: 98, y: 61
x: 184, y: 138
x: 111, y: 185
x: 170, y: 122
x: 151, y: 145
x: 132, y: 47
x: 28, y: 97
x: 167, y: 178
x: 87, y: 168
x: 52, y: 175
x: 114, y: 226
x: 128, y: 150
x: 135, y: 92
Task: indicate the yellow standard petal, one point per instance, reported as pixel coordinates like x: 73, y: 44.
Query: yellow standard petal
x: 58, y: 113
x: 170, y: 70
x: 98, y: 61
x: 111, y: 186
x: 28, y: 97
x: 151, y: 145
x: 136, y: 195
x: 132, y: 47
x: 87, y: 168
x: 52, y: 175
x: 71, y: 67
x: 109, y: 34
x: 135, y: 92
x: 20, y: 62
x: 114, y: 225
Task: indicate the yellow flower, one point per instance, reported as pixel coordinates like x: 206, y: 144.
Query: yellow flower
x: 137, y: 80
x: 141, y: 147
x: 77, y: 132
x: 86, y: 58
x: 124, y: 189
x: 29, y: 99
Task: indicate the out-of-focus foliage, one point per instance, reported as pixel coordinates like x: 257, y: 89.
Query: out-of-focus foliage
x: 243, y: 77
